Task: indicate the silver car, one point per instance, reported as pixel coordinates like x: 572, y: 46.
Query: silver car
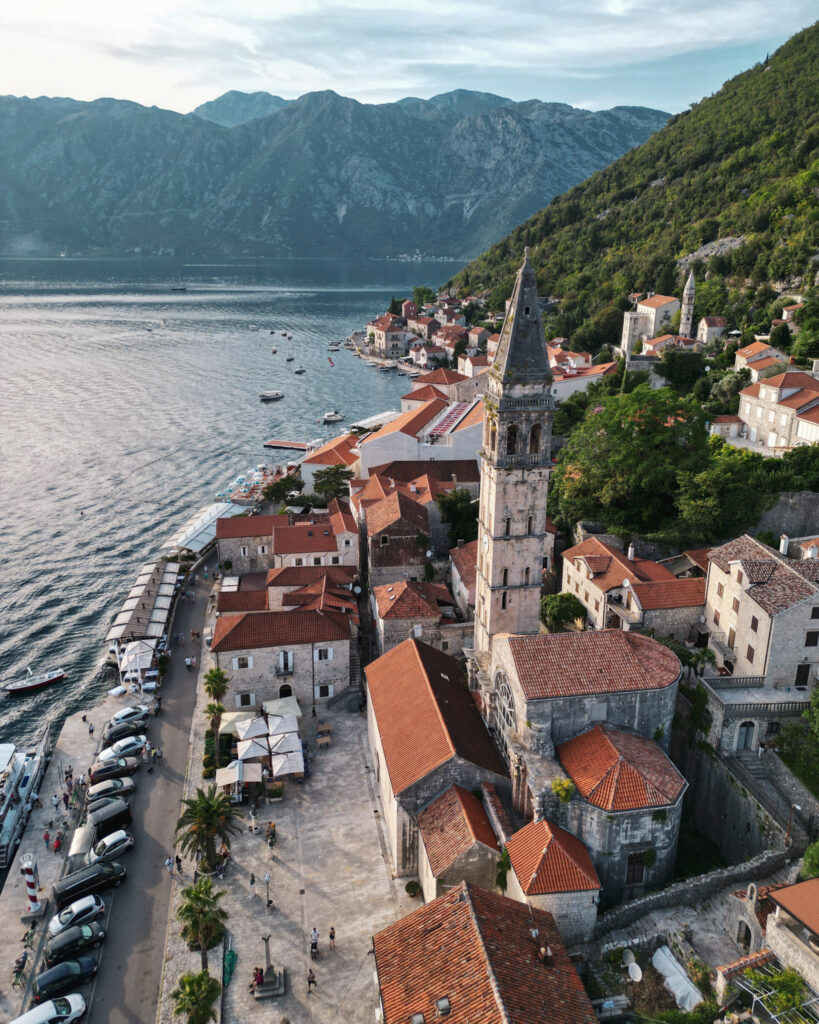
x: 126, y: 747
x: 111, y: 846
x: 81, y: 911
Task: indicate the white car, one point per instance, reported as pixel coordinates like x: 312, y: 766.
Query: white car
x: 111, y: 846
x: 129, y: 746
x: 62, y: 1010
x: 130, y: 714
x: 81, y: 911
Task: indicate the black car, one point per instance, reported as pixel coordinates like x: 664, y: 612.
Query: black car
x: 95, y: 878
x: 114, y: 769
x: 63, y: 977
x: 72, y: 941
x: 119, y: 730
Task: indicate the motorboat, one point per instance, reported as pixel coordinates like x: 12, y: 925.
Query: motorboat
x: 20, y: 774
x: 333, y: 417
x: 299, y: 369
x: 283, y: 333
x: 274, y: 350
x: 270, y: 396
x: 32, y: 682
x: 290, y: 359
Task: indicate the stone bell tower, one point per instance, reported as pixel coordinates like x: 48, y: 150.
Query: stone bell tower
x: 513, y: 543
x: 687, y: 315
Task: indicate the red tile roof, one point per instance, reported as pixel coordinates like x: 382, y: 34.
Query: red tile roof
x: 336, y: 452
x: 440, y: 377
x: 451, y: 824
x: 424, y: 394
x: 793, y: 379
x: 425, y: 715
x: 547, y: 858
x: 322, y: 595
x: 699, y: 556
x: 411, y: 422
x: 254, y: 630
x: 610, y: 566
x: 476, y: 949
x: 465, y: 470
x: 302, y: 575
x: 727, y: 418
x: 755, y: 348
x: 410, y: 600
x: 620, y: 771
x: 293, y: 540
x: 241, y: 601
x: 341, y: 518
x: 656, y: 301
x: 472, y: 418
x: 245, y: 526
x: 465, y: 560
x: 763, y: 364
x: 688, y: 592
x: 802, y: 902
x: 597, y: 661
x: 776, y: 582
x: 396, y: 508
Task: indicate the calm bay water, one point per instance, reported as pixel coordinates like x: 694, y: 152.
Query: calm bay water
x: 124, y: 407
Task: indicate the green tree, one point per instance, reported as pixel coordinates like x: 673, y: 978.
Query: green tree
x: 207, y: 818
x: 395, y: 306
x: 720, y: 499
x: 810, y: 862
x: 681, y: 369
x: 564, y: 790
x: 781, y: 337
x: 332, y: 482
x: 460, y: 512
x: 422, y: 296
x: 214, y: 712
x: 203, y: 920
x: 278, y: 491
x: 557, y: 610
x: 620, y: 465
x: 215, y: 682
x: 194, y: 996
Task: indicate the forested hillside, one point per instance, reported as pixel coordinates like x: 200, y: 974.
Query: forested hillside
x: 741, y: 166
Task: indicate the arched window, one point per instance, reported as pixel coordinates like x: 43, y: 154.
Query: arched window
x: 286, y: 690
x: 505, y: 578
x: 529, y: 526
x: 534, y: 440
x: 506, y: 718
x: 526, y: 575
x: 511, y: 439
x: 503, y: 601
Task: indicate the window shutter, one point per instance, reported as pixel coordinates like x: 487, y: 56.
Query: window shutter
x: 315, y: 655
x: 330, y: 654
x: 290, y: 659
x: 237, y: 699
x: 253, y: 698
x: 249, y: 661
x: 235, y: 664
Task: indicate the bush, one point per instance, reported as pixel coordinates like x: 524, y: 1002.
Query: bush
x: 412, y: 888
x: 563, y: 789
x: 810, y: 863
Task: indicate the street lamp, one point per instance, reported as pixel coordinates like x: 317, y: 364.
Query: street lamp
x: 794, y: 807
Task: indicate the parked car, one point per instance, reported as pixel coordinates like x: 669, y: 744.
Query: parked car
x: 73, y: 941
x: 62, y: 1010
x: 113, y: 769
x: 63, y: 977
x: 87, y: 881
x: 120, y: 730
x: 81, y: 911
x: 108, y: 819
x: 120, y: 789
x: 123, y: 748
x: 111, y: 846
x: 133, y: 713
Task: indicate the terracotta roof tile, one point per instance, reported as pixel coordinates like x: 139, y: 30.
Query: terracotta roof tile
x: 755, y: 348
x: 253, y: 630
x: 440, y: 377
x: 472, y: 418
x: 597, y: 661
x: 793, y: 379
x: 425, y: 715
x: 341, y: 518
x: 547, y: 859
x: 620, y: 771
x: 476, y: 948
x: 302, y: 575
x: 410, y: 600
x: 465, y: 470
x: 656, y: 301
x: 241, y: 601
x: 396, y: 508
x: 465, y: 560
x: 246, y: 526
x: 293, y: 540
x: 687, y: 592
x: 610, y: 566
x: 777, y: 582
x: 802, y: 902
x: 699, y: 556
x: 424, y: 394
x: 338, y: 451
x: 451, y: 824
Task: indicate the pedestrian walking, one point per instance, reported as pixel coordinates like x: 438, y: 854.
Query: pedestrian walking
x: 47, y: 838
x: 82, y: 781
x: 311, y: 980
x: 90, y: 728
x: 58, y: 842
x: 314, y: 712
x: 35, y: 799
x: 153, y: 756
x: 169, y: 865
x: 55, y: 801
x: 66, y: 799
x: 332, y: 937
x: 195, y: 875
x: 69, y: 785
x: 193, y: 634
x: 188, y: 664
x: 178, y: 863
x: 158, y: 753
x: 193, y: 661
x: 69, y: 772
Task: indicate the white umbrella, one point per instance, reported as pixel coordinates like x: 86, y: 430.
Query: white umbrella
x: 287, y: 764
x: 250, y: 729
x: 281, y: 726
x: 288, y: 744
x: 283, y: 706
x: 248, y: 749
x: 230, y: 721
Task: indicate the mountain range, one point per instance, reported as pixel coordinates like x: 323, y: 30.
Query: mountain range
x: 322, y: 175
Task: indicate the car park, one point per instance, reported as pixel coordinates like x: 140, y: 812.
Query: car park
x: 81, y: 911
x: 63, y: 1010
x: 112, y: 733
x: 63, y: 977
x: 87, y: 881
x: 73, y: 941
x: 112, y: 769
x: 122, y: 789
x: 122, y: 748
x: 130, y: 714
x: 111, y: 846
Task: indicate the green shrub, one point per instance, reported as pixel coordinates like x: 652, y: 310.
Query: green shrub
x: 412, y: 888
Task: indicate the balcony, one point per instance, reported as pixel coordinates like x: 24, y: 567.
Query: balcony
x: 281, y: 672
x: 524, y: 459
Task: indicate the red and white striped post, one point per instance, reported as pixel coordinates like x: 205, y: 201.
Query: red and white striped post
x: 28, y: 866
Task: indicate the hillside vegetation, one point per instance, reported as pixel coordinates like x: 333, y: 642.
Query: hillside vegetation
x: 740, y: 165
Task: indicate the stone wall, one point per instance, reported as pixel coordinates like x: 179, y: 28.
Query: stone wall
x: 793, y: 788
x: 249, y: 687
x: 693, y: 890
x: 790, y: 949
x: 676, y: 622
x: 796, y: 514
x: 448, y: 637
x: 575, y: 913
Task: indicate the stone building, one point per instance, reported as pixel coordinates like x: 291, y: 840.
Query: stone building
x: 626, y: 809
x: 476, y: 956
x: 687, y: 311
x: 397, y: 537
x: 338, y: 451
x: 771, y: 408
x: 646, y: 321
x: 281, y: 583
x: 463, y: 567
x: 514, y: 545
x: 624, y: 592
x: 552, y: 870
x: 266, y: 655
x: 457, y: 844
x: 425, y: 611
x: 425, y: 734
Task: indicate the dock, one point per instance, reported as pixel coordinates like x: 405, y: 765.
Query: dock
x: 296, y: 446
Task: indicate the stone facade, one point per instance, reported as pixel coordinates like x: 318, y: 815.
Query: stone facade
x: 786, y: 939
x: 444, y: 636
x: 575, y: 913
x: 246, y: 554
x: 478, y: 865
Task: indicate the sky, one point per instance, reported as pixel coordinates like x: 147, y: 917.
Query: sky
x: 665, y: 54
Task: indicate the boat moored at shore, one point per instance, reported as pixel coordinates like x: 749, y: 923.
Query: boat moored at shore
x: 20, y: 775
x: 31, y: 682
x: 270, y: 396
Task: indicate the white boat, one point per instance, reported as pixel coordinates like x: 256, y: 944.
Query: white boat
x: 20, y: 776
x: 283, y: 333
x: 299, y: 369
x: 290, y: 359
x: 270, y: 396
x: 333, y: 417
x: 274, y: 350
x: 32, y: 682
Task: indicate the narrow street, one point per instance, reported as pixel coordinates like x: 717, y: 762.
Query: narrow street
x: 127, y: 987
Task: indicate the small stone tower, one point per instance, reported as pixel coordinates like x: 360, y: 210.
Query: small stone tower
x: 513, y: 543
x: 687, y: 314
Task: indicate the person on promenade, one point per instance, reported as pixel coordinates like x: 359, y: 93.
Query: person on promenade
x: 193, y: 661
x: 90, y: 728
x: 178, y: 860
x: 332, y: 937
x: 169, y: 865
x: 66, y: 799
x: 35, y: 800
x: 47, y: 838
x: 188, y: 664
x: 55, y: 802
x: 58, y: 842
x: 311, y: 980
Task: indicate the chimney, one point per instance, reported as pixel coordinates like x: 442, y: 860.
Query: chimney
x: 461, y: 544
x: 631, y: 552
x: 783, y: 544
x: 455, y: 479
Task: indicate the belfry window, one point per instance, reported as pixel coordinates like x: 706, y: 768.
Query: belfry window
x: 526, y: 575
x: 503, y: 601
x: 511, y: 439
x: 534, y: 440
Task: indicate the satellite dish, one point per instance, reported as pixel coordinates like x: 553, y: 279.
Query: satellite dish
x: 634, y: 972
x: 625, y: 584
x: 628, y: 957
x: 429, y: 554
x: 356, y: 589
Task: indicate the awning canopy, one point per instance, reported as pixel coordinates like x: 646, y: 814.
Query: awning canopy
x: 252, y: 728
x: 200, y: 529
x: 283, y: 706
x: 138, y: 656
x: 146, y: 608
x: 248, y: 749
x: 282, y: 726
x: 237, y: 773
x: 288, y: 764
x: 287, y: 744
x: 230, y: 721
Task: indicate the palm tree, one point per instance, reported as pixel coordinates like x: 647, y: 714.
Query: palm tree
x: 194, y: 997
x: 215, y: 683
x: 214, y: 712
x: 203, y: 920
x: 207, y: 817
